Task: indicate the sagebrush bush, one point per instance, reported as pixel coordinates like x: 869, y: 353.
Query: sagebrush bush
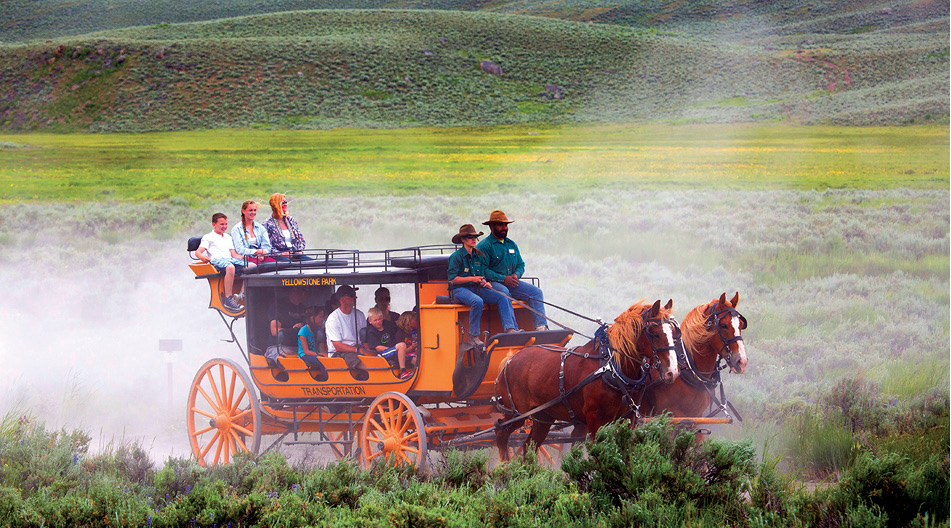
x: 656, y: 474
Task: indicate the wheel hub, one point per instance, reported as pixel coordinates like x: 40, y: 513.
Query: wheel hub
x: 388, y: 445
x: 222, y: 422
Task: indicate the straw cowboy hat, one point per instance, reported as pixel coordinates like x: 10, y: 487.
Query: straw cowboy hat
x: 497, y: 217
x: 465, y: 230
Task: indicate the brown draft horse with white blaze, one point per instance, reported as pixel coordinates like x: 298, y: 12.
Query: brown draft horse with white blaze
x: 591, y: 385
x: 711, y: 332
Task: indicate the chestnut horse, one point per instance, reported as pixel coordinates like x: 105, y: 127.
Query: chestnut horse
x: 591, y: 385
x: 711, y: 332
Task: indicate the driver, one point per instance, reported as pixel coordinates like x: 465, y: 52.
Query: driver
x: 506, y: 267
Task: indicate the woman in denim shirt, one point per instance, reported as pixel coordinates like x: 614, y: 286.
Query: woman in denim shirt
x: 250, y: 238
x: 282, y: 229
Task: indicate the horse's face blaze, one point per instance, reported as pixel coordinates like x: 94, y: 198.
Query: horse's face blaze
x: 730, y: 326
x: 662, y: 339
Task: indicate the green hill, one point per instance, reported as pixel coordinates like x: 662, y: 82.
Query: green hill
x: 738, y: 19
x: 388, y: 68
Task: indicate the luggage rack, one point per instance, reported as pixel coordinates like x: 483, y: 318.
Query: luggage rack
x: 354, y: 260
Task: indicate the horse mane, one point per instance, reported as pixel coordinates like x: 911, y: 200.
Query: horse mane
x: 693, y: 329
x: 627, y: 328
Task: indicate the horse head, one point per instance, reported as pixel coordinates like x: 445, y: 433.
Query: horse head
x: 725, y: 325
x: 646, y: 334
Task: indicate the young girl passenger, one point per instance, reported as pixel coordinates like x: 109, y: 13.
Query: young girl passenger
x: 311, y: 342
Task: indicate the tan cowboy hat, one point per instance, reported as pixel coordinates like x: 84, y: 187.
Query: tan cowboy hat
x: 465, y: 230
x: 497, y: 217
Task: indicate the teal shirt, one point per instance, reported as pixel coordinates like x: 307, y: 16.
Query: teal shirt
x: 504, y: 258
x: 462, y: 264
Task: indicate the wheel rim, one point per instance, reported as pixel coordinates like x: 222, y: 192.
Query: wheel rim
x: 393, y: 432
x: 223, y: 413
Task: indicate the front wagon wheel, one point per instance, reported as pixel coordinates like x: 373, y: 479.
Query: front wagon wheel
x: 394, y: 432
x: 223, y: 413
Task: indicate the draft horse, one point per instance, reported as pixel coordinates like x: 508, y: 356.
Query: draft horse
x: 591, y: 385
x: 711, y: 332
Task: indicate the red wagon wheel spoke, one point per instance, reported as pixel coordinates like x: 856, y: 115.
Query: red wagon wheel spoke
x: 201, y: 412
x: 214, y: 390
x: 211, y: 443
x: 231, y: 392
x: 207, y: 398
x: 225, y: 420
x: 237, y: 440
x: 203, y: 431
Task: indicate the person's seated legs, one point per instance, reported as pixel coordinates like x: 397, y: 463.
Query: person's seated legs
x: 475, y: 304
x: 506, y: 313
x: 316, y: 368
x: 357, y: 369
x: 532, y: 296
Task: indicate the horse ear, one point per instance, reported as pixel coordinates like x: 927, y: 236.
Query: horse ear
x: 669, y: 305
x: 723, y: 298
x: 655, y: 309
x: 736, y: 299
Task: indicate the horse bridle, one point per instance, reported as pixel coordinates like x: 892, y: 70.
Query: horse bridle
x: 713, y: 320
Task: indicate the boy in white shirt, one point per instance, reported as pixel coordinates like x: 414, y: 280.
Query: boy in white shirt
x: 217, y: 248
x: 343, y: 328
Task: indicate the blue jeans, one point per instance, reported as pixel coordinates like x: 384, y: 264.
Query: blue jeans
x: 476, y: 302
x: 530, y: 294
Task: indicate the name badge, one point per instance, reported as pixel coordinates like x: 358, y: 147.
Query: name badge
x: 466, y: 270
x: 511, y: 251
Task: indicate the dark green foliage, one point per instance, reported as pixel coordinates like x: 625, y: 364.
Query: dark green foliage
x: 657, y: 474
x: 339, y: 484
x: 888, y: 483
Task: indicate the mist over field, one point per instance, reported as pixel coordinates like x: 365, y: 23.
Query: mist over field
x: 835, y: 284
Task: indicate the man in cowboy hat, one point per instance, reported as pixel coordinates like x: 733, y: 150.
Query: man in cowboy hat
x: 467, y: 285
x: 506, y: 268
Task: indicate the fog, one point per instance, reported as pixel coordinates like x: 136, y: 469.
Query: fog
x: 85, y: 306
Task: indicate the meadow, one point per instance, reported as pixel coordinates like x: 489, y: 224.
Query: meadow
x: 223, y: 164
x: 836, y: 239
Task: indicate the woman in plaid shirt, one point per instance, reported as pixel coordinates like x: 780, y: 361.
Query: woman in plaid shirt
x: 282, y: 229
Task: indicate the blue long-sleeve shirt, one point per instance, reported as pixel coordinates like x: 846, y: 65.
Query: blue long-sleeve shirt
x: 259, y: 239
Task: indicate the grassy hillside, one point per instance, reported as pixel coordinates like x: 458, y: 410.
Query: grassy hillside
x: 740, y: 19
x: 378, y: 68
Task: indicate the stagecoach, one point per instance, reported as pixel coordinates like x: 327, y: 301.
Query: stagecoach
x: 258, y: 404
x: 450, y: 401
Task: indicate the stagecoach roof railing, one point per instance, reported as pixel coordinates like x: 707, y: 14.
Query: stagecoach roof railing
x: 356, y: 260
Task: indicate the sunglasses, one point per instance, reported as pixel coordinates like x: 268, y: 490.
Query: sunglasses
x: 284, y: 202
x: 471, y: 237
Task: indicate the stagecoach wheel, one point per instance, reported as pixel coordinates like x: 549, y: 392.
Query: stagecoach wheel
x: 393, y: 431
x: 339, y: 450
x: 547, y: 454
x: 223, y: 413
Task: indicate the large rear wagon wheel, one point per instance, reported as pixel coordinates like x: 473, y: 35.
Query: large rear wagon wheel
x: 223, y: 413
x: 394, y: 431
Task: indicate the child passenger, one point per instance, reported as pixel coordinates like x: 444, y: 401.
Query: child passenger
x: 311, y: 342
x: 382, y: 339
x: 408, y: 323
x: 217, y: 248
